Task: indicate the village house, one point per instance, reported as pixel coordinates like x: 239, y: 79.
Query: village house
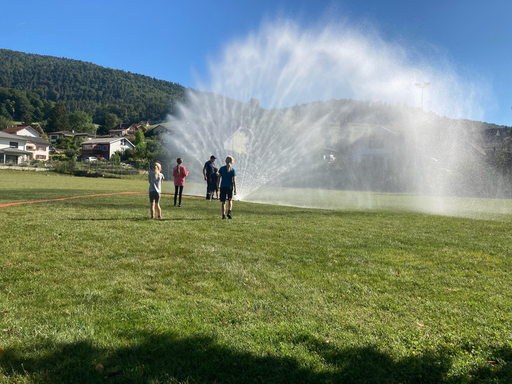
x: 19, y: 149
x: 161, y: 129
x: 13, y: 149
x: 238, y: 141
x: 495, y: 138
x: 54, y: 136
x: 39, y: 147
x: 84, y: 136
x: 23, y: 130
x: 104, y: 148
x: 378, y: 145
x: 126, y: 129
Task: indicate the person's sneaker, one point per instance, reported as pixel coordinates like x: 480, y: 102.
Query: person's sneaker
x: 152, y: 217
x: 160, y: 217
x: 179, y: 206
x: 223, y: 217
x: 229, y: 215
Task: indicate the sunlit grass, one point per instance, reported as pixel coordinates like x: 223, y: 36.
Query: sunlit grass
x: 93, y: 290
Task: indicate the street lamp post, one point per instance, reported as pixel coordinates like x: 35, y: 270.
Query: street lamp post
x: 422, y: 86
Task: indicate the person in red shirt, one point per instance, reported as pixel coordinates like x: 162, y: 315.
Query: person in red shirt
x: 179, y: 172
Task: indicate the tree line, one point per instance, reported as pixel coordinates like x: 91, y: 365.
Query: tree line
x: 31, y: 84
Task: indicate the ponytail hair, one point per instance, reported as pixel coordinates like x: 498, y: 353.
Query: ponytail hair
x: 179, y: 160
x: 156, y: 169
x: 229, y: 163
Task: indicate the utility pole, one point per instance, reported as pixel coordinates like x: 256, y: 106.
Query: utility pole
x: 422, y: 86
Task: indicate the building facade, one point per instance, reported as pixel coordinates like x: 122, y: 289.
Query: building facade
x: 104, y: 148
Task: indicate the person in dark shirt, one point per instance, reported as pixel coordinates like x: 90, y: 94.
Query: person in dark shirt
x: 207, y: 172
x: 215, y: 178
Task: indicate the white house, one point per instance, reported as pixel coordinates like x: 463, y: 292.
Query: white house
x: 20, y: 149
x: 378, y: 145
x: 238, y: 141
x: 39, y: 147
x: 22, y: 130
x: 105, y: 147
x: 13, y: 148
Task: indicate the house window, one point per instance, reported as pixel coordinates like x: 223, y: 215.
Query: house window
x: 13, y: 144
x: 41, y: 157
x: 105, y: 148
x: 30, y: 148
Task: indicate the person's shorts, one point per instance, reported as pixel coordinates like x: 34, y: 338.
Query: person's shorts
x: 226, y: 193
x: 212, y: 186
x: 154, y: 196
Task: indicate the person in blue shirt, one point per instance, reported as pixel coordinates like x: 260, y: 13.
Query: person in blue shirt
x: 227, y: 183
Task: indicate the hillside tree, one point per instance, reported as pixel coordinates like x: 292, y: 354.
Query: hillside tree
x: 140, y: 143
x: 5, y: 122
x: 81, y: 121
x: 59, y: 119
x: 110, y: 121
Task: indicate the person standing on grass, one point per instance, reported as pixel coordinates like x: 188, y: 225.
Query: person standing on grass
x: 179, y: 172
x: 215, y: 177
x: 207, y: 172
x: 155, y: 189
x: 227, y: 182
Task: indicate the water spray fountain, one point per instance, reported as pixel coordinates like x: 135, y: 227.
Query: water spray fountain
x: 279, y: 99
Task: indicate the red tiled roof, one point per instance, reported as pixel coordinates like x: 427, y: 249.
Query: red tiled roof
x: 16, y: 128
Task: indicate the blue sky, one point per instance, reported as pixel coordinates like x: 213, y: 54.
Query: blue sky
x: 175, y: 40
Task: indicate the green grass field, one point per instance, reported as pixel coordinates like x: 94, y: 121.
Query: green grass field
x: 91, y: 291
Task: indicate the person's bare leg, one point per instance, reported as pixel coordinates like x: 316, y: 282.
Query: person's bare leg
x: 223, y: 209
x: 152, y: 209
x: 159, y: 210
x: 230, y: 205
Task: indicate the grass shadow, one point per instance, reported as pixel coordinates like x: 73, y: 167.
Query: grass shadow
x: 169, y: 358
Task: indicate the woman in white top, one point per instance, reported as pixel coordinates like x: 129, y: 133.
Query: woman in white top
x: 155, y: 189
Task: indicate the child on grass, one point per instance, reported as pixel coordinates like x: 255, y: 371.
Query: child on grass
x: 227, y: 182
x: 155, y: 189
x: 214, y: 178
x: 179, y: 172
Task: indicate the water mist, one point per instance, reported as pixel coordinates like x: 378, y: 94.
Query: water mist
x: 332, y: 109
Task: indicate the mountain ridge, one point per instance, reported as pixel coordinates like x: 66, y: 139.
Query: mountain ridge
x: 89, y: 87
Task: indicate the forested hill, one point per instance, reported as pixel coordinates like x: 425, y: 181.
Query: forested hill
x: 89, y: 87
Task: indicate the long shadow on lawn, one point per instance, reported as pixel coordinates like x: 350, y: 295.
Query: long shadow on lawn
x: 168, y: 358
